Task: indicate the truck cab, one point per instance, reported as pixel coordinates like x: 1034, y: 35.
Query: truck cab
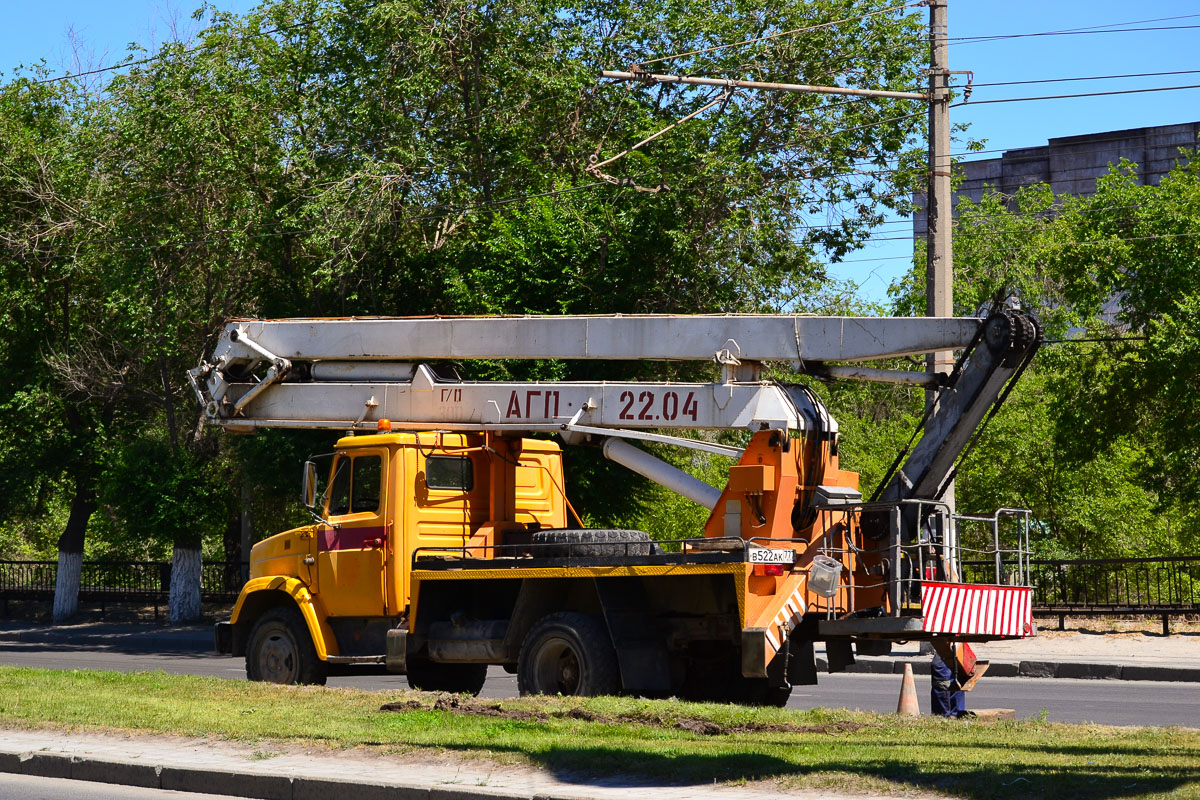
x: 345, y: 580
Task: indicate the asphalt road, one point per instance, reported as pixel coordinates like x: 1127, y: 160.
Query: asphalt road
x: 28, y: 787
x: 1105, y: 702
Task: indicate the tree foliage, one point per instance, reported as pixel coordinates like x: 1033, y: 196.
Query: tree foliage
x: 1101, y: 437
x: 315, y: 157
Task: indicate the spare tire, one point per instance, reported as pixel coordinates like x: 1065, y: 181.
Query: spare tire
x: 593, y: 542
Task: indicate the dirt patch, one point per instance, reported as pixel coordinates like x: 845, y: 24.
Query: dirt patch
x: 466, y: 705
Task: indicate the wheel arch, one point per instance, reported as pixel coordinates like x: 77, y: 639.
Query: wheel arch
x: 262, y: 594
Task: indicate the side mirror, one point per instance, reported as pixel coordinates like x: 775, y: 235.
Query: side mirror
x: 308, y: 486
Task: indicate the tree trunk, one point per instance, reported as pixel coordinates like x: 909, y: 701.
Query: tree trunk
x: 183, y: 603
x: 70, y: 552
x: 66, y: 585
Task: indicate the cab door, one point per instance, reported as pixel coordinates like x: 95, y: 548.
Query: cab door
x: 351, y: 556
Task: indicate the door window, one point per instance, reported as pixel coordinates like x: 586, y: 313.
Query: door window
x: 356, y: 484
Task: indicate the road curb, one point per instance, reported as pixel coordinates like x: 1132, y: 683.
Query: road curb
x: 220, y: 781
x: 325, y: 788
x: 255, y: 785
x: 122, y: 773
x: 1139, y: 673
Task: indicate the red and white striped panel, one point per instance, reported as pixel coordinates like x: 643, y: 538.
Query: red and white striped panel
x: 977, y: 609
x: 790, y: 615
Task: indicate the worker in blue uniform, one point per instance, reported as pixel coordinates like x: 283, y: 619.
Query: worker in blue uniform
x: 945, y: 698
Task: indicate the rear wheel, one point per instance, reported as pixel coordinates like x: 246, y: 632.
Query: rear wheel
x: 432, y: 676
x: 569, y: 654
x: 280, y: 650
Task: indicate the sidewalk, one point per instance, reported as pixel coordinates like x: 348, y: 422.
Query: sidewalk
x: 116, y: 635
x: 273, y: 772
x: 1051, y: 654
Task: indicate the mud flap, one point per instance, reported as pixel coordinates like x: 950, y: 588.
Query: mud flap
x: 839, y: 653
x: 802, y: 663
x: 223, y: 638
x: 641, y: 647
x: 397, y: 654
x: 754, y: 652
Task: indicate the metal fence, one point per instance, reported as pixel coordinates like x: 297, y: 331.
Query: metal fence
x: 1163, y: 586
x: 148, y: 581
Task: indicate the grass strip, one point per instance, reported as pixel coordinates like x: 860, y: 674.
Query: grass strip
x: 663, y: 740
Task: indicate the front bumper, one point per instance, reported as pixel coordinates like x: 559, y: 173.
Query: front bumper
x: 223, y: 637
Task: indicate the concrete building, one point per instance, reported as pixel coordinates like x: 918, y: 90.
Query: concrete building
x: 1071, y: 164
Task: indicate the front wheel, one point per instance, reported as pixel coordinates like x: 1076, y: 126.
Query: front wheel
x: 280, y: 650
x: 569, y: 654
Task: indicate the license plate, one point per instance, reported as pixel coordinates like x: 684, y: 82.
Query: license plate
x: 772, y: 555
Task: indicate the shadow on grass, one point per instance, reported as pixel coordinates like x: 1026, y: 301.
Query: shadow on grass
x: 616, y: 767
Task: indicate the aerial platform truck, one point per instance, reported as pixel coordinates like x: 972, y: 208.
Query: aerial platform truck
x: 443, y: 541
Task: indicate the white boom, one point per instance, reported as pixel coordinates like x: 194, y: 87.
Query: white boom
x: 350, y: 373
x: 654, y: 337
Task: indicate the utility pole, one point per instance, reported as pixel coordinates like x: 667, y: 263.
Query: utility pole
x: 939, y: 220
x: 939, y: 270
x: 939, y: 266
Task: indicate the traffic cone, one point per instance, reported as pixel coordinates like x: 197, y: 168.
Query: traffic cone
x: 908, y: 707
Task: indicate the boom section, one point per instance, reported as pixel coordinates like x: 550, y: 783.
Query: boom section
x: 350, y: 373
x: 651, y: 337
x: 425, y: 402
x: 981, y: 380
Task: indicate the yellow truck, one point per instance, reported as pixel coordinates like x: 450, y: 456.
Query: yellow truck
x: 443, y: 541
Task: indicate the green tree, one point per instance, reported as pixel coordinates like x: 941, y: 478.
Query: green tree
x: 1100, y: 438
x: 321, y: 158
x: 52, y: 431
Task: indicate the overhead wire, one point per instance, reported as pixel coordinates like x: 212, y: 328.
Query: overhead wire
x: 953, y: 40
x: 961, y: 154
x: 467, y: 208
x: 163, y: 54
x: 1072, y: 96
x: 780, y: 34
x: 978, y: 85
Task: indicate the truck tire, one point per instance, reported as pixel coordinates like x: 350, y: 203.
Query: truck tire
x: 432, y: 676
x: 593, y: 542
x: 569, y: 654
x: 280, y: 650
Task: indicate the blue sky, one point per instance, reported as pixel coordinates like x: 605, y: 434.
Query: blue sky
x: 45, y: 29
